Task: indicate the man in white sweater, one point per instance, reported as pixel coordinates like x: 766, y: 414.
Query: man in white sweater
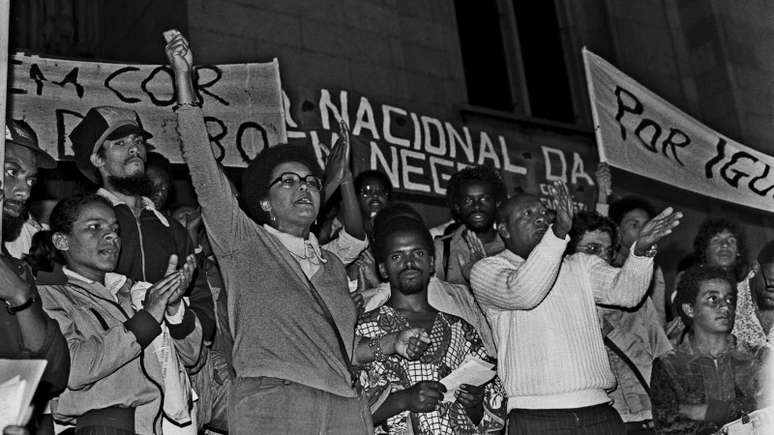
x: 542, y: 309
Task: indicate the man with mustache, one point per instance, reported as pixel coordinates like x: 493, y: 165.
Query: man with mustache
x: 542, y: 308
x: 111, y: 151
x: 407, y: 394
x: 25, y: 330
x: 473, y: 195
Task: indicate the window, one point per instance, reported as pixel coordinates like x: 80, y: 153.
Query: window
x: 514, y: 57
x: 483, y: 56
x: 542, y: 55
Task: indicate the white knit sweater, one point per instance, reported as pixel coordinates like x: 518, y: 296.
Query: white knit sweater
x: 542, y: 311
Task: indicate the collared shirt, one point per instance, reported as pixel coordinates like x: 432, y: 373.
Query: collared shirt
x: 641, y: 338
x: 147, y: 204
x: 448, y: 267
x: 448, y: 298
x: 727, y: 384
x: 115, y: 281
x: 308, y: 252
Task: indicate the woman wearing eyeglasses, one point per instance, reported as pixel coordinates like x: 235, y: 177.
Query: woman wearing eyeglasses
x: 633, y: 337
x: 289, y: 308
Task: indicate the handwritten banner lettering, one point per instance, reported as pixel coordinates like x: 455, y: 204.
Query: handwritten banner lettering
x: 640, y: 132
x: 243, y: 102
x: 245, y: 110
x: 419, y: 153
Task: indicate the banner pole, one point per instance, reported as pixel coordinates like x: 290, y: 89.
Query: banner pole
x: 5, y: 7
x: 594, y: 115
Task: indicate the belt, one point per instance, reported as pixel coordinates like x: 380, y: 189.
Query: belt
x: 114, y: 417
x: 634, y: 426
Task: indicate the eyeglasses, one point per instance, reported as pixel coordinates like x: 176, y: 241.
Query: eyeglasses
x: 369, y: 190
x: 596, y: 249
x: 766, y: 283
x: 290, y: 180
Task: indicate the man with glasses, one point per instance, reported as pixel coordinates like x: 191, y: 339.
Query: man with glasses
x: 473, y: 195
x: 633, y: 337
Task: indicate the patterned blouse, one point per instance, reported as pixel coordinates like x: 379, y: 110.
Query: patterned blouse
x: 452, y: 340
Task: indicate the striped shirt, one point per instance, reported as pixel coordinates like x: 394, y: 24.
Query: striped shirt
x: 542, y: 311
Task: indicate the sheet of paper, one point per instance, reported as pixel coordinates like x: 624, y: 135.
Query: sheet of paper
x: 28, y: 371
x: 375, y: 298
x: 756, y: 422
x: 11, y: 394
x: 472, y: 371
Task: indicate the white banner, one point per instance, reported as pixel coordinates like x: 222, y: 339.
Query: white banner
x: 638, y: 131
x: 242, y: 102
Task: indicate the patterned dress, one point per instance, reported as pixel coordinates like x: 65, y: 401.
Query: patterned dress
x: 452, y: 340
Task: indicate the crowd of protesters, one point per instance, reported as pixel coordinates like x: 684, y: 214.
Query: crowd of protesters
x: 308, y: 301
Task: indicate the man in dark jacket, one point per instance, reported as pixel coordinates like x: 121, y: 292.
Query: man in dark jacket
x: 26, y: 332
x: 110, y: 150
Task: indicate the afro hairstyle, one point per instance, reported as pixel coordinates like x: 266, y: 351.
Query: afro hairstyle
x: 257, y: 175
x: 713, y: 226
x: 475, y: 173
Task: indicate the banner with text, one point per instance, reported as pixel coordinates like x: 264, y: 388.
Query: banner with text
x: 419, y: 153
x: 243, y: 102
x: 638, y: 131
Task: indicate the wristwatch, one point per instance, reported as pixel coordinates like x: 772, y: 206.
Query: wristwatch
x: 12, y: 310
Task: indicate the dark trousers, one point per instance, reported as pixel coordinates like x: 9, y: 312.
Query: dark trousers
x: 593, y: 420
x: 276, y: 406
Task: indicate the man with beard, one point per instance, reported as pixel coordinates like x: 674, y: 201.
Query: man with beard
x: 110, y: 150
x: 542, y: 308
x: 18, y: 225
x: 473, y: 195
x: 25, y: 330
x: 407, y: 395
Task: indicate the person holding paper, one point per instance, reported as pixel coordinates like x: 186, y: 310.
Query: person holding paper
x: 706, y: 381
x: 26, y: 332
x: 408, y: 395
x: 542, y: 309
x: 127, y: 340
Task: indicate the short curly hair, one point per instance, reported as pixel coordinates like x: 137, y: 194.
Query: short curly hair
x: 690, y: 281
x: 475, y: 173
x: 257, y: 175
x: 713, y: 226
x: 397, y: 217
x: 628, y: 203
x: 586, y: 221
